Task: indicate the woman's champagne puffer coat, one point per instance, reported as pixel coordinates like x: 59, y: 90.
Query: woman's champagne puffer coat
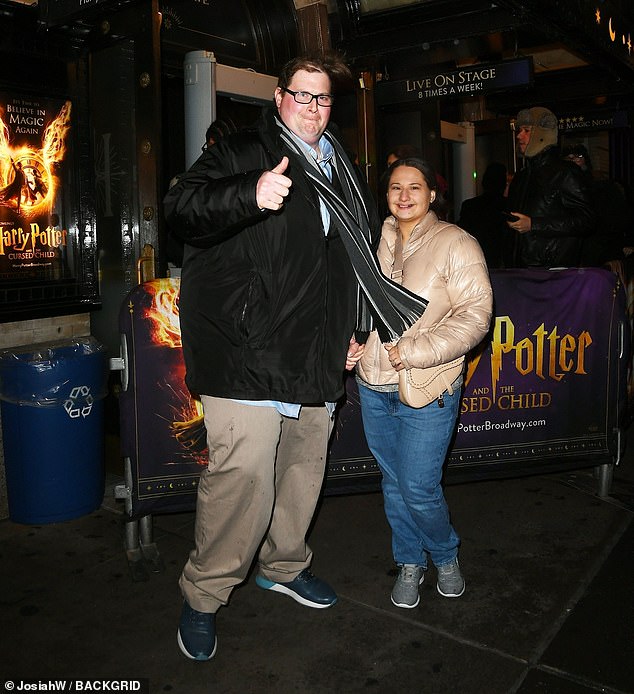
x: 445, y: 265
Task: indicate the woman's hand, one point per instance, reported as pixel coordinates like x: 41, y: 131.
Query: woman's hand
x: 355, y: 352
x: 394, y: 357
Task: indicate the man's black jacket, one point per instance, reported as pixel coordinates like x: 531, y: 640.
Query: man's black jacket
x: 268, y: 301
x: 554, y: 194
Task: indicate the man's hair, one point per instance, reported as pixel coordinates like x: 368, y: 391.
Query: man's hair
x: 330, y: 63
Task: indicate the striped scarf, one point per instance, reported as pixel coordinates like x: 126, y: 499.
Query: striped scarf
x: 382, y: 304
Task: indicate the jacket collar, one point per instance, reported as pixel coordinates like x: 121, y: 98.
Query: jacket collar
x: 427, y: 224
x: 546, y: 155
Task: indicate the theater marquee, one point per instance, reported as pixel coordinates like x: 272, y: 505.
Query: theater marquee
x: 468, y: 81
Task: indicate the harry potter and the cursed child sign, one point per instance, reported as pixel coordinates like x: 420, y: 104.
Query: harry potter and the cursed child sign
x: 33, y: 150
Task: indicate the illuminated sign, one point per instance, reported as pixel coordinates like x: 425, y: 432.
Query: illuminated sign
x: 56, y: 12
x: 616, y: 31
x: 593, y: 121
x: 469, y: 81
x: 33, y: 150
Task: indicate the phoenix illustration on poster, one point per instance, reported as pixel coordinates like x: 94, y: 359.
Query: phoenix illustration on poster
x: 34, y: 136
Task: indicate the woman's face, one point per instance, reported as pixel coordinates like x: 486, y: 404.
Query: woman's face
x: 408, y: 195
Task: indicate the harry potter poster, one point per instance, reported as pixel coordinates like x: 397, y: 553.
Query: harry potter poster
x: 34, y: 134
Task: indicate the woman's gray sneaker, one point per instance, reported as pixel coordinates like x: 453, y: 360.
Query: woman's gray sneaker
x: 450, y: 582
x: 405, y: 591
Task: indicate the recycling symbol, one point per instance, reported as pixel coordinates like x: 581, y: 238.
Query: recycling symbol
x: 79, y: 403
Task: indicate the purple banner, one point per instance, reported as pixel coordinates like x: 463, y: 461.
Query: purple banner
x: 550, y: 379
x: 547, y: 387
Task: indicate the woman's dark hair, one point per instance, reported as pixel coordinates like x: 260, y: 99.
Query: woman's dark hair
x: 405, y: 152
x: 219, y: 129
x: 428, y: 172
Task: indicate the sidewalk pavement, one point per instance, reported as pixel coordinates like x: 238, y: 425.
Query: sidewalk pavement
x: 548, y: 606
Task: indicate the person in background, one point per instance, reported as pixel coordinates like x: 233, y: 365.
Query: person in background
x: 403, y: 152
x: 279, y: 231
x: 548, y: 198
x: 217, y: 130
x: 444, y: 264
x: 483, y: 216
x: 174, y: 246
x: 14, y: 190
x: 613, y: 215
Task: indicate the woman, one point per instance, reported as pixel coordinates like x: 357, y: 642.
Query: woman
x: 446, y: 266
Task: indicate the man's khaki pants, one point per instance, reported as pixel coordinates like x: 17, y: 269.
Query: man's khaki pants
x: 263, y: 482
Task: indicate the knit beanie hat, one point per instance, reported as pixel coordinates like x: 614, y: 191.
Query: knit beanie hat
x: 544, y: 128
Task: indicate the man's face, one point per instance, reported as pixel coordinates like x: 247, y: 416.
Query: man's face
x: 523, y: 137
x: 307, y: 121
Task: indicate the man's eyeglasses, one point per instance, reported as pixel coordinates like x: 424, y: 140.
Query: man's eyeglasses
x: 307, y: 97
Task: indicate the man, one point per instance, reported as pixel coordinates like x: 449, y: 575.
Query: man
x: 279, y: 231
x: 483, y: 215
x: 548, y: 198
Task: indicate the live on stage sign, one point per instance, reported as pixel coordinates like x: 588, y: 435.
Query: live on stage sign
x: 468, y: 81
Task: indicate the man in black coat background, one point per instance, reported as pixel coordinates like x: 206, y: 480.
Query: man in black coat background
x: 548, y: 198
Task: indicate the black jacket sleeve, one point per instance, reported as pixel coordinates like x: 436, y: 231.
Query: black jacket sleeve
x: 215, y: 199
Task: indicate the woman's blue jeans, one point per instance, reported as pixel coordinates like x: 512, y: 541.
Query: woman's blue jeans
x: 410, y: 446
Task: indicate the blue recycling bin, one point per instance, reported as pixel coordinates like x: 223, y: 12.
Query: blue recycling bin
x: 52, y: 404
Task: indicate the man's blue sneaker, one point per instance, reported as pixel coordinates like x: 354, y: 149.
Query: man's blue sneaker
x: 197, y: 633
x: 305, y: 588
